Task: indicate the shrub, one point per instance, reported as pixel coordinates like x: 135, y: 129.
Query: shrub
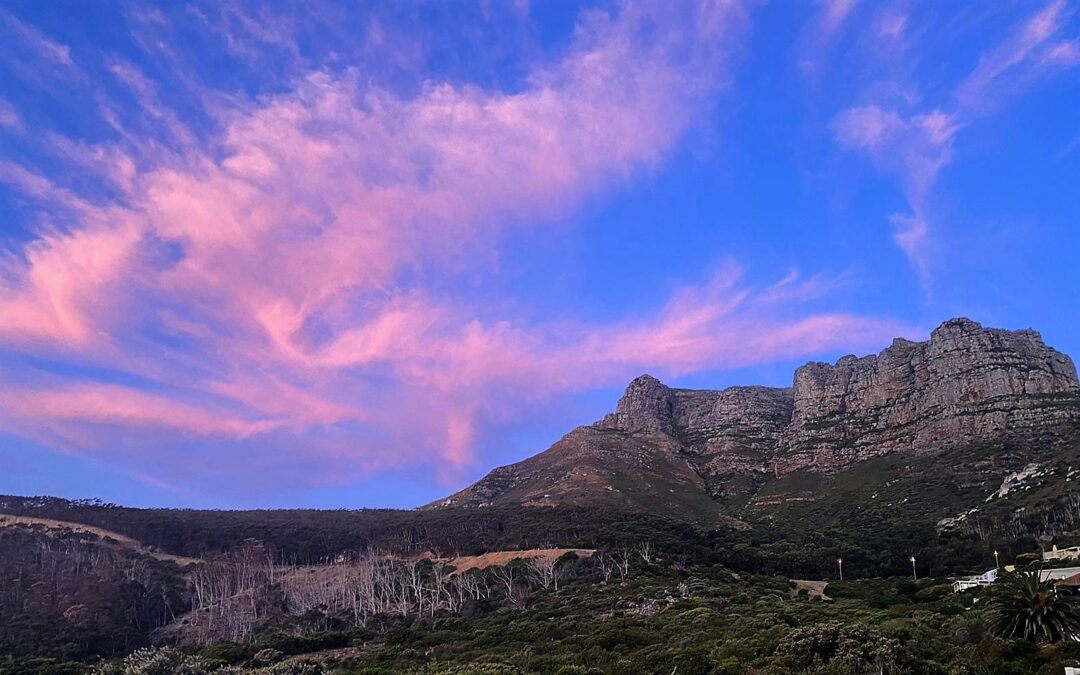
x: 164, y: 661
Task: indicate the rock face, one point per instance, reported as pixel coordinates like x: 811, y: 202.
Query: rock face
x: 646, y: 406
x: 728, y: 434
x: 965, y: 385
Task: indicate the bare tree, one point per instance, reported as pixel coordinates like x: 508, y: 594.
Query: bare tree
x: 622, y: 564
x: 544, y: 570
x: 509, y: 578
x: 606, y: 563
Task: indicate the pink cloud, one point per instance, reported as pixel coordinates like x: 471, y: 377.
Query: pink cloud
x: 727, y: 324
x: 821, y: 33
x: 867, y: 127
x: 1064, y: 54
x: 283, y: 274
x: 112, y: 405
x: 50, y: 50
x: 10, y: 119
x: 915, y: 149
x: 834, y: 12
x: 62, y: 288
x: 892, y: 25
x: 1008, y: 65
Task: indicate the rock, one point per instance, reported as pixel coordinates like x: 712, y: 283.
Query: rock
x: 966, y: 384
x: 646, y: 406
x: 678, y: 449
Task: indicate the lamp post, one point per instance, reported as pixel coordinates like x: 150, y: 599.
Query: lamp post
x: 840, y: 566
x: 914, y: 574
x: 997, y: 561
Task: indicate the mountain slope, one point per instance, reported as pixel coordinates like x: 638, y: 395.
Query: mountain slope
x: 598, y: 465
x: 978, y: 402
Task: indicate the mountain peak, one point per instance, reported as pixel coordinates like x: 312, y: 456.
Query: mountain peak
x: 960, y: 324
x: 645, y: 406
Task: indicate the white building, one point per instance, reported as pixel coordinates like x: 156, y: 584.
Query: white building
x: 990, y: 576
x: 985, y: 579
x: 1058, y: 574
x: 1059, y: 553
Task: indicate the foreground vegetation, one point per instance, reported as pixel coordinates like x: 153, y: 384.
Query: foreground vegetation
x: 701, y: 621
x: 356, y: 593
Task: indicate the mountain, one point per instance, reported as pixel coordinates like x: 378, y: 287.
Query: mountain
x: 700, y: 507
x: 972, y: 404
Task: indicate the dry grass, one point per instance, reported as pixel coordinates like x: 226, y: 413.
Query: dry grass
x: 123, y: 540
x: 500, y: 558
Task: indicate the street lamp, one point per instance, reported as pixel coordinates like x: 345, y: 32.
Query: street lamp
x: 840, y: 565
x: 997, y: 561
x: 914, y: 575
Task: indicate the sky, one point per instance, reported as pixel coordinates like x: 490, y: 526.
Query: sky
x: 344, y: 255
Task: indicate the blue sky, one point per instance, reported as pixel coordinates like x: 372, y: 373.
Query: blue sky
x: 308, y: 254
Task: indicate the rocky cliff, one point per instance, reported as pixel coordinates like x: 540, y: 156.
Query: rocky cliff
x: 966, y: 385
x: 729, y: 435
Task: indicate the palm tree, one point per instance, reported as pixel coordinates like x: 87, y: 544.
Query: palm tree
x: 1026, y: 607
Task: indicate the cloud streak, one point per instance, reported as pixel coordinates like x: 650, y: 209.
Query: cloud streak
x: 278, y: 283
x: 915, y: 143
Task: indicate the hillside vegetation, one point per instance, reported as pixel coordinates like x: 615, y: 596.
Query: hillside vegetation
x: 387, y: 592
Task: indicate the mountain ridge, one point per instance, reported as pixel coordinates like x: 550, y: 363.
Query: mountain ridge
x: 695, y: 453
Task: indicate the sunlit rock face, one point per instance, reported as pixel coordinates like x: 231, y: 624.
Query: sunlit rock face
x: 965, y: 385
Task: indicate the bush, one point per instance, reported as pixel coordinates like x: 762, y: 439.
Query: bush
x: 165, y: 661
x: 225, y: 652
x: 266, y: 657
x: 843, y: 648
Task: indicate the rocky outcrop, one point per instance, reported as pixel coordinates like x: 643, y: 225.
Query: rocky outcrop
x: 646, y: 406
x: 966, y: 385
x: 734, y: 429
x: 727, y: 433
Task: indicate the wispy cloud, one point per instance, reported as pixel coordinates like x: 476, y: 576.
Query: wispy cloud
x: 915, y: 149
x: 10, y: 120
x: 914, y: 143
x: 33, y: 56
x: 275, y: 283
x: 1024, y: 55
x: 823, y: 30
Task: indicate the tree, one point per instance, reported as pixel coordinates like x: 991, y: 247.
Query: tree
x: 1024, y: 606
x: 544, y: 569
x: 509, y: 578
x: 607, y: 565
x: 645, y: 550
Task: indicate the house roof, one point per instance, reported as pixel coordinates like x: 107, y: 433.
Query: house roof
x: 1058, y: 573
